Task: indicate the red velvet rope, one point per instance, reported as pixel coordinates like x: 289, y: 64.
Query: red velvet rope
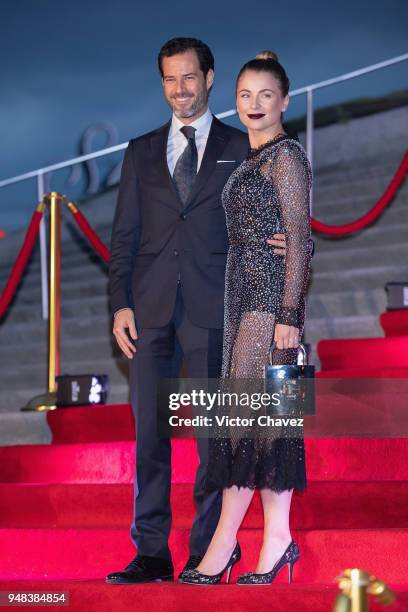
x: 21, y: 261
x: 317, y: 226
x: 371, y: 215
x: 89, y: 233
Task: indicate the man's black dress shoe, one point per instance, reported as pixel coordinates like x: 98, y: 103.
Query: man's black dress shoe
x: 143, y: 569
x: 192, y: 563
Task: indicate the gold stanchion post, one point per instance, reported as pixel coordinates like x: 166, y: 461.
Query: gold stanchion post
x: 47, y: 401
x: 356, y: 585
x: 55, y: 271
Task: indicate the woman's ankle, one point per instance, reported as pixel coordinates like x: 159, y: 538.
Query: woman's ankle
x: 276, y: 540
x: 225, y: 538
x: 216, y: 557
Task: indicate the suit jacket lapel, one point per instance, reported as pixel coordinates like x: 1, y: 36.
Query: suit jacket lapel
x: 159, y: 153
x: 216, y: 142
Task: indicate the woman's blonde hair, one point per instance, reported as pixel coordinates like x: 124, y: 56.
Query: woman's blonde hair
x: 267, y: 55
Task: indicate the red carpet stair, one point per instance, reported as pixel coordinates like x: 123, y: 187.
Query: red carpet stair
x: 369, y: 357
x: 65, y: 511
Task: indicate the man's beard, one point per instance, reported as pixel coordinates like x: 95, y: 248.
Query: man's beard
x: 198, y: 105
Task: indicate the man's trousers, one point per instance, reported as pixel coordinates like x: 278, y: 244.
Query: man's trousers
x: 159, y: 354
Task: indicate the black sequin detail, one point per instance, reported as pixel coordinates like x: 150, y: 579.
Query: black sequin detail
x: 267, y: 194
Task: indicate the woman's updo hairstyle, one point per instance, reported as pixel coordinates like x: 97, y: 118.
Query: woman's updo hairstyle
x: 267, y: 61
x: 267, y: 55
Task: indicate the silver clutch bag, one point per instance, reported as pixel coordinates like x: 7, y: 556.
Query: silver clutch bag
x: 294, y: 384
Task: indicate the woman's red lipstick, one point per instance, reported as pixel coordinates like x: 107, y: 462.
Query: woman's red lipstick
x: 256, y: 116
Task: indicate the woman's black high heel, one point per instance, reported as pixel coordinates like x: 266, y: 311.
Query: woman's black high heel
x: 193, y: 576
x: 289, y: 558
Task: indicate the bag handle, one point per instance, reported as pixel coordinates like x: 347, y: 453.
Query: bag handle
x: 301, y: 347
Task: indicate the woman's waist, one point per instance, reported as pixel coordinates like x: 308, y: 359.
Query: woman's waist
x: 249, y: 242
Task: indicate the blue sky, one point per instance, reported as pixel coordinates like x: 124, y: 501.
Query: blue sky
x: 67, y: 65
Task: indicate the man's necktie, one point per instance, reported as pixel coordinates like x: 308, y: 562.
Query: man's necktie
x: 185, y: 170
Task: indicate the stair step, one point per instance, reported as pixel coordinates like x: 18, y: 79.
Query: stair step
x: 346, y: 211
x: 324, y: 505
x: 322, y: 303
x: 315, y: 329
x: 338, y: 174
x: 324, y: 553
x: 341, y: 410
x: 96, y: 595
x: 22, y: 427
x: 375, y: 235
x: 362, y: 257
x: 346, y: 303
x: 357, y: 278
x: 370, y: 187
x: 328, y: 459
x: 19, y: 397
x: 349, y: 354
x: 29, y: 375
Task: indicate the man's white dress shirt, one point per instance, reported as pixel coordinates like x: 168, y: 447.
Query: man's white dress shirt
x: 177, y: 142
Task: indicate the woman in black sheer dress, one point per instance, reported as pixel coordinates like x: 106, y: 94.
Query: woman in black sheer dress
x: 264, y: 301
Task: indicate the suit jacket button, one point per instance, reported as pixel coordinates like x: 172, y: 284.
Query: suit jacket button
x: 175, y: 252
x: 183, y: 216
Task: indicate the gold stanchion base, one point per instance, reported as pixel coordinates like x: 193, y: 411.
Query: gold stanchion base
x: 41, y: 403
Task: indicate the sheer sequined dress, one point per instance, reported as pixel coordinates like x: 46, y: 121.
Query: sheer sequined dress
x: 268, y: 193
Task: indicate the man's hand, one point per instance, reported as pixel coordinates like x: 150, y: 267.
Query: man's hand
x: 279, y: 241
x: 286, y: 336
x: 124, y: 320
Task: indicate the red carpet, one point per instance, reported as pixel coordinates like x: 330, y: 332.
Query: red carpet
x: 394, y: 322
x: 325, y: 505
x: 364, y: 354
x: 95, y: 595
x: 328, y: 459
x: 65, y: 511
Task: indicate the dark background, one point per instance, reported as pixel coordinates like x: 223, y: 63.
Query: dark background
x: 68, y: 65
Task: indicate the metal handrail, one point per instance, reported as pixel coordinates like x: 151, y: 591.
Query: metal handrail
x: 41, y: 172
x: 224, y: 114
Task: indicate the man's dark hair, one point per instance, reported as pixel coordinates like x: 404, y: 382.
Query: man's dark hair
x: 181, y: 45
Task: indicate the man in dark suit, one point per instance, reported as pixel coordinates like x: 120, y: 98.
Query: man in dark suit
x: 168, y: 255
